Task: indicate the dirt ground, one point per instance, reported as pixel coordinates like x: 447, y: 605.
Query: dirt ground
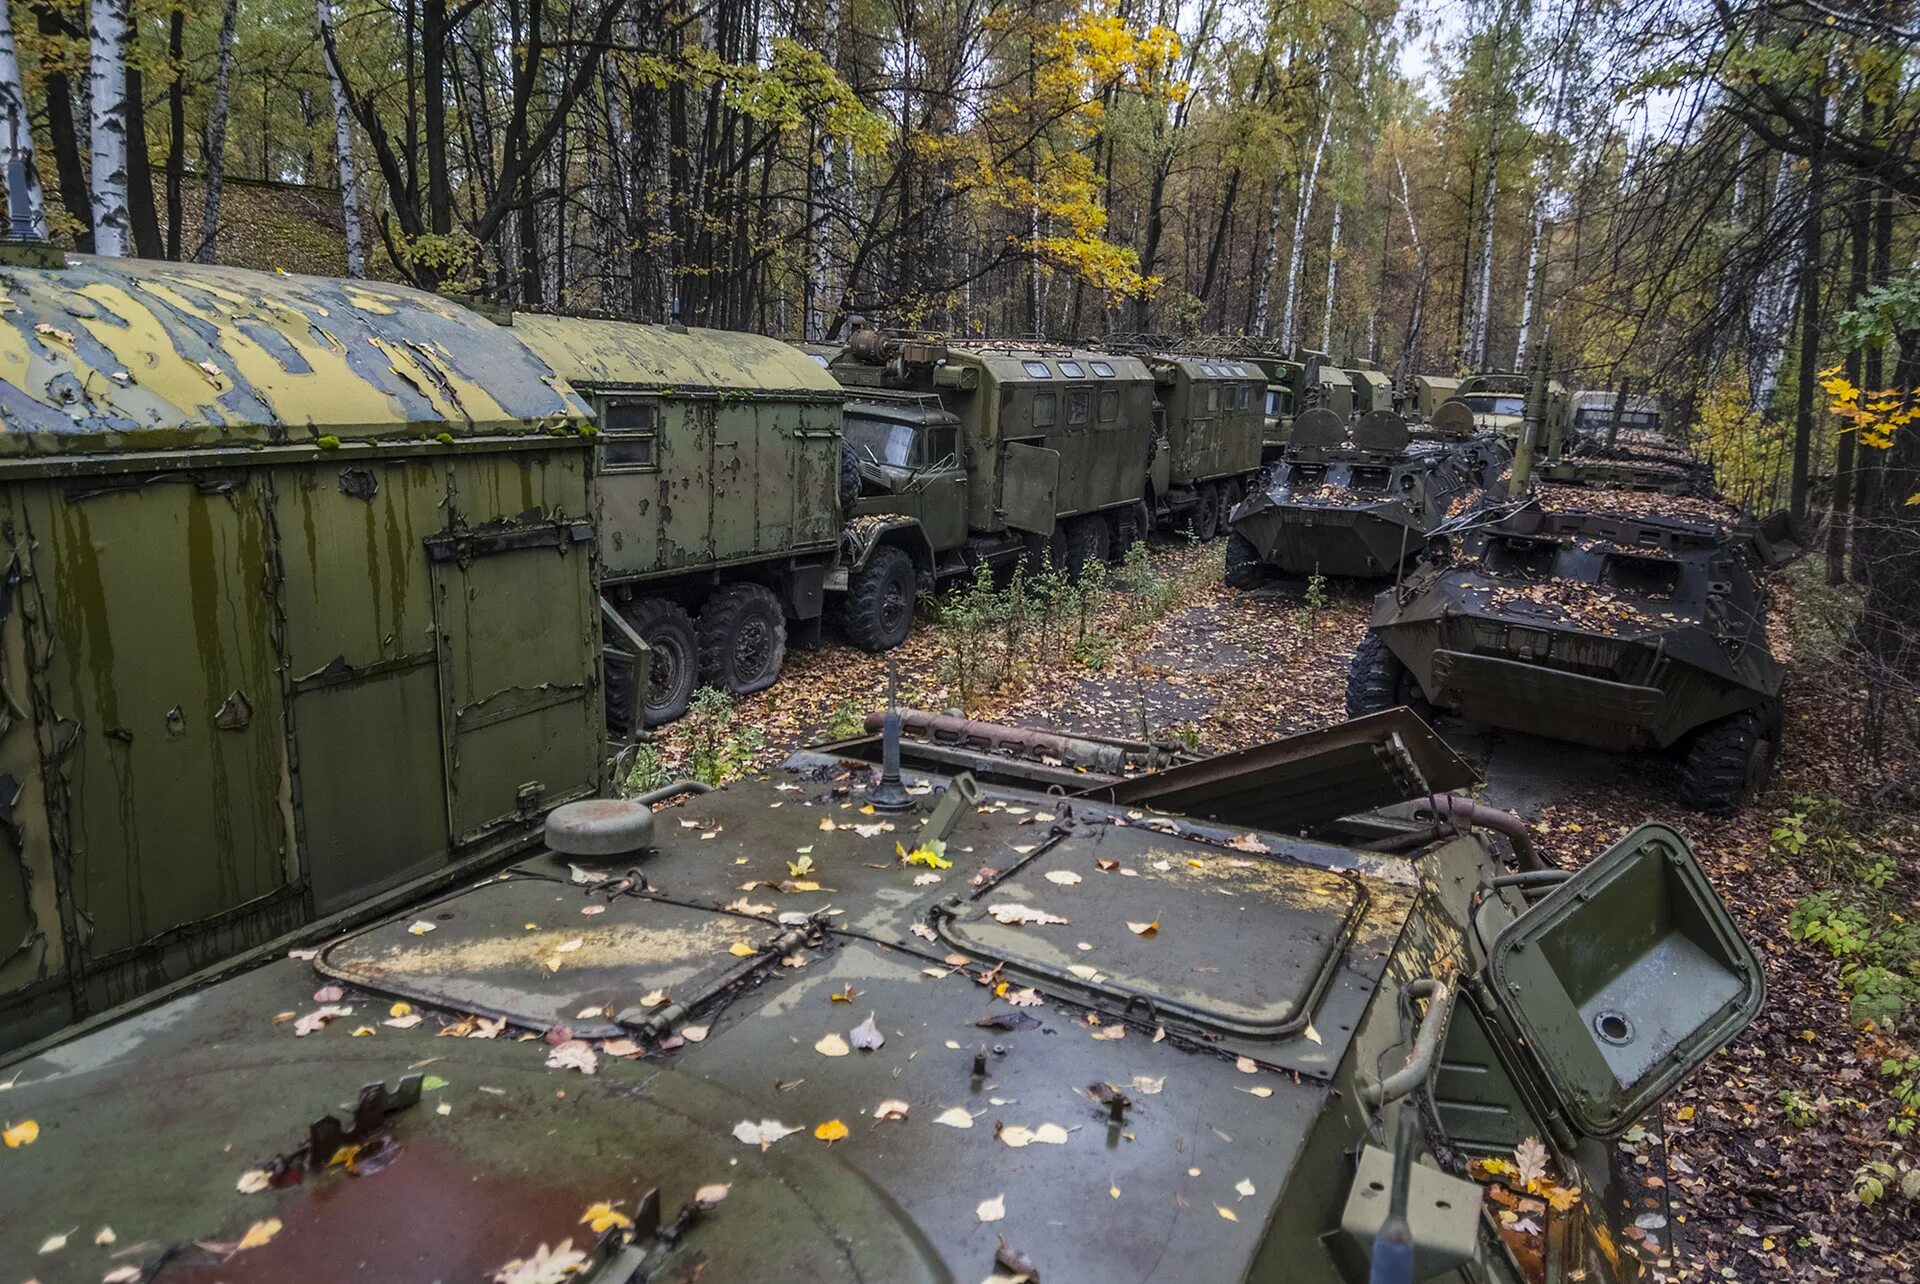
x: 1753, y: 1196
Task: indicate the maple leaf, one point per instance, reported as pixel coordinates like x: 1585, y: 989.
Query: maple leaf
x: 544, y: 1266
x: 930, y: 853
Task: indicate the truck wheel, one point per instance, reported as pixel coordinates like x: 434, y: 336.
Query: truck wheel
x: 1123, y: 532
x: 1730, y: 761
x: 675, y: 659
x: 1205, y: 522
x: 849, y: 478
x: 878, y: 609
x: 1230, y: 492
x: 1086, y: 543
x: 1376, y: 680
x: 1243, y: 562
x: 743, y: 639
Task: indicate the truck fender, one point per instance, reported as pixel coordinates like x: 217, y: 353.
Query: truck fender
x: 865, y: 534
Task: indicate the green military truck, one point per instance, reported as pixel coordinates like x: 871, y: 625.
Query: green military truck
x: 1426, y: 394
x: 299, y: 612
x: 720, y: 495
x: 1372, y: 389
x: 1207, y: 439
x: 990, y: 452
x: 1498, y: 400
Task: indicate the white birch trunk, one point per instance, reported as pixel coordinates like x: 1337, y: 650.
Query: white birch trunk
x: 1778, y: 293
x: 1477, y: 334
x: 1302, y: 210
x: 107, y: 85
x: 16, y: 133
x: 1333, y: 280
x: 1263, y: 297
x: 1533, y: 277
x: 213, y: 164
x: 343, y: 143
x: 1412, y: 339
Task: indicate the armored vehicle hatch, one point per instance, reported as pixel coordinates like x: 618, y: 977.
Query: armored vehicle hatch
x: 797, y: 1036
x: 1354, y: 500
x: 302, y: 613
x: 1620, y: 619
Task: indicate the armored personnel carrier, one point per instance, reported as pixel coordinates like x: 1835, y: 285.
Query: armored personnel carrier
x: 1613, y: 618
x: 1605, y: 442
x: 821, y: 1026
x: 1355, y: 500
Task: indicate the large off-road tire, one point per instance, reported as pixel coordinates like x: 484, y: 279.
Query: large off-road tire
x: 1730, y: 761
x: 1086, y: 543
x: 849, y: 477
x: 1231, y: 492
x: 1205, y: 522
x: 673, y: 668
x: 878, y: 609
x: 1243, y: 562
x: 743, y: 639
x: 1376, y: 680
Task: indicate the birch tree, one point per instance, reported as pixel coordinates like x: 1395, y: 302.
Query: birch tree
x: 18, y: 132
x: 343, y: 144
x: 107, y: 83
x: 213, y: 165
x: 1302, y: 209
x: 1333, y: 278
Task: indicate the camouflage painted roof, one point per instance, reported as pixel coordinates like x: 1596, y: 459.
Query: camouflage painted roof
x: 622, y: 354
x: 126, y: 354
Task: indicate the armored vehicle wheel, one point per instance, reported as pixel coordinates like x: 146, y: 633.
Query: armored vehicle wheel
x: 1243, y: 562
x: 849, y: 478
x: 743, y: 639
x: 878, y: 609
x: 1086, y: 543
x: 675, y: 660
x: 1376, y: 680
x: 1730, y: 761
x: 1205, y: 522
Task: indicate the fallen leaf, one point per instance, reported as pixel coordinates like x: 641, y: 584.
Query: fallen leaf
x: 363, y: 1032
x: 545, y: 1266
x: 122, y: 1275
x: 1017, y: 914
x: 992, y: 1210
x: 593, y: 909
x: 741, y: 950
x: 954, y: 1117
x: 800, y: 868
x: 694, y: 1033
x: 1050, y: 1135
x: 1147, y: 1086
x: 1111, y: 1032
x: 1245, y: 1187
x: 831, y: 1131
x: 622, y: 1048
x: 603, y: 1217
x: 744, y: 906
x: 845, y: 995
x: 421, y: 927
x: 105, y: 1235
x: 762, y: 1134
x: 258, y: 1234
x: 1145, y: 929
x: 400, y: 1009
x: 574, y: 1054
x: 54, y: 1243
x: 329, y: 994
x: 1027, y: 998
x: 1248, y: 843
x: 1262, y: 1093
x: 654, y: 999
x: 891, y: 1108
x: 568, y: 947
x: 866, y: 1036
x: 1530, y: 1161
x: 922, y: 931
x: 24, y: 1133
x: 1246, y: 1065
x: 925, y: 880
x: 832, y: 1045
x: 1227, y: 1213
x: 709, y: 1195
x: 318, y: 1018
x: 793, y: 960
x: 1064, y: 877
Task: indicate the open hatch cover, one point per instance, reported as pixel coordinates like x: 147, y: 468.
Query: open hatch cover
x: 1180, y: 932
x: 1625, y: 978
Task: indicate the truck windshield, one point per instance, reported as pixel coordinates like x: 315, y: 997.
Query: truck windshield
x: 1489, y: 404
x: 885, y: 443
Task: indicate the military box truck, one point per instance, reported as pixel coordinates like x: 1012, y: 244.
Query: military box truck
x: 1049, y: 457
x: 720, y: 494
x: 1207, y: 439
x: 298, y: 612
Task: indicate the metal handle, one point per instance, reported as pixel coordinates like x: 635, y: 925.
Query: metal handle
x: 1426, y: 1045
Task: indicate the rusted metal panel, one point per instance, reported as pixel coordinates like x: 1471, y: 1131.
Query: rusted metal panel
x: 1305, y: 780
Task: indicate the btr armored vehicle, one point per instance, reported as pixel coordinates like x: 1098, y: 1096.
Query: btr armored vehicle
x: 300, y: 613
x: 720, y: 494
x: 1354, y: 500
x: 1619, y: 619
x: 825, y: 1027
x: 1630, y: 449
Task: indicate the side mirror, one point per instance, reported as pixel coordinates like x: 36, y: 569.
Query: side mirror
x: 1624, y: 979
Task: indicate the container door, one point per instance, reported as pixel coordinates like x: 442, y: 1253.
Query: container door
x: 163, y: 667
x: 687, y: 483
x: 517, y: 629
